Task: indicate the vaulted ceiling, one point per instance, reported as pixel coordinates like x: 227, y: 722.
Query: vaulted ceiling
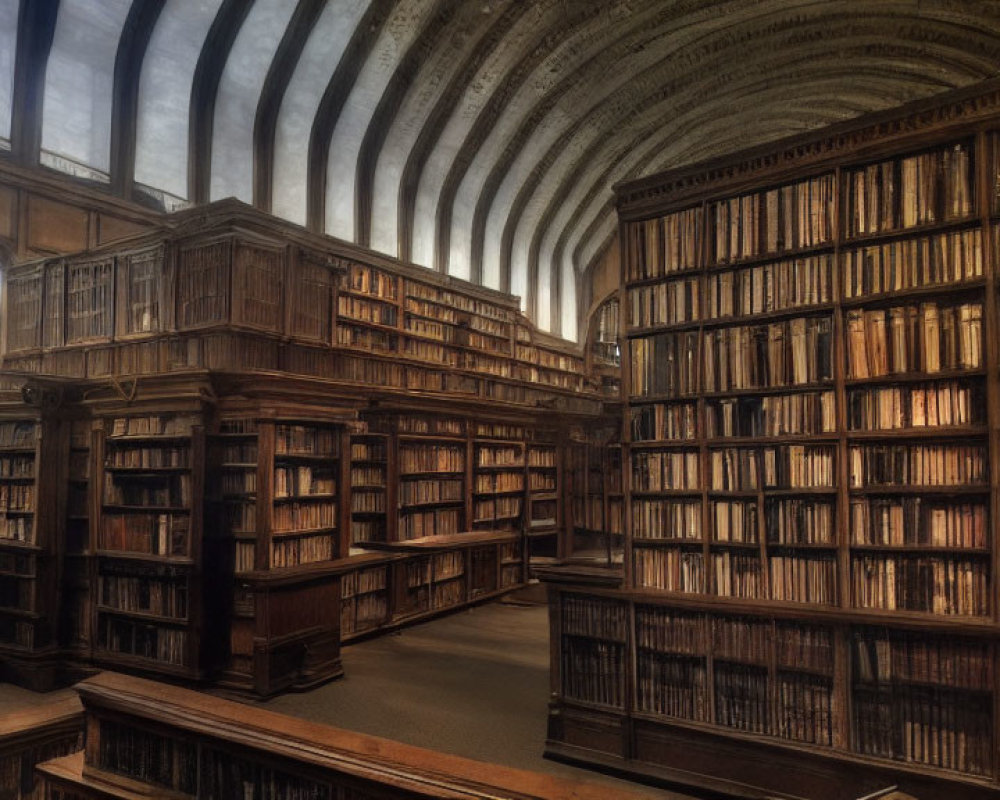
x: 476, y: 137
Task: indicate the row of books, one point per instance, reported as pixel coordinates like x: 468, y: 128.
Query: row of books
x: 149, y: 534
x: 429, y: 328
x: 133, y: 638
x: 737, y: 575
x: 883, y: 657
x: 666, y: 519
x: 794, y: 521
x: 913, y: 263
x: 764, y: 289
x: 917, y: 465
x: 665, y: 303
x: 495, y: 456
x: 363, y: 581
x: 771, y: 415
x: 669, y: 631
x: 787, y: 353
x: 359, y: 337
x: 165, y: 598
x: 369, y: 280
x: 424, y: 425
x: 742, y: 698
x: 461, y: 302
x: 671, y: 686
x: 17, y: 529
x: 368, y: 502
x: 664, y: 364
x: 930, y: 584
x: 446, y: 595
x: 371, y: 450
x: 491, y: 482
x: 735, y: 521
x: 241, y: 516
x: 669, y: 569
x: 497, y: 509
x: 929, y: 337
x: 661, y: 246
x: 437, y: 522
x: 657, y: 471
x: 800, y: 579
x: 542, y: 458
x: 296, y: 516
x: 362, y: 310
x: 663, y: 422
x: 148, y: 757
x: 367, y: 476
x: 228, y: 776
x: 305, y: 440
x: 776, y: 220
x: 368, y: 530
x: 302, y: 480
x: 172, y: 490
x: 431, y: 458
x: 916, y: 190
x: 429, y: 490
x: 805, y: 708
x: 917, y: 406
x: 936, y: 727
x: 593, y: 616
x: 362, y: 612
x: 502, y: 430
x: 152, y: 425
x: 132, y: 457
x: 787, y: 467
x: 17, y: 467
x: 17, y: 497
x: 448, y: 565
x: 292, y: 552
x: 541, y: 482
x: 592, y: 670
x: 901, y: 521
x: 240, y: 453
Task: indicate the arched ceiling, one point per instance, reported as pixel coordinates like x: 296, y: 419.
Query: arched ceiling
x: 476, y: 137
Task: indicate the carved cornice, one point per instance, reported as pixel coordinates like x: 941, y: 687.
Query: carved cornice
x: 946, y: 114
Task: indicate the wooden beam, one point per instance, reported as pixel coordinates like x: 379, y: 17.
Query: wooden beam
x: 337, y: 91
x: 204, y: 88
x: 36, y: 26
x: 273, y: 92
x: 138, y: 28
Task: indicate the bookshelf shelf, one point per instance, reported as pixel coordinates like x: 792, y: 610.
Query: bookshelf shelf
x: 810, y: 414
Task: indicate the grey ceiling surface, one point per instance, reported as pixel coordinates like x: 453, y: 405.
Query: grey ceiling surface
x: 476, y: 137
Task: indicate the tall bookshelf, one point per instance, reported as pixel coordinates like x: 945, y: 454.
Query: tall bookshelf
x: 433, y: 475
x: 544, y: 487
x: 370, y: 488
x: 281, y: 479
x: 498, y: 477
x: 147, y: 541
x: 811, y: 397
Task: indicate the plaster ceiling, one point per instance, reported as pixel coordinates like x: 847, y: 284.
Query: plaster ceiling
x: 476, y: 137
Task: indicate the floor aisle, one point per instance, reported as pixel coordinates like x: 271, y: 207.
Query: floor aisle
x: 475, y: 684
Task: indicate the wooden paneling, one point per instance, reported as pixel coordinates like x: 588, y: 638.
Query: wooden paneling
x: 55, y: 227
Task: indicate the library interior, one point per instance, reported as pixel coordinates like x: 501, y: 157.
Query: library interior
x: 499, y: 399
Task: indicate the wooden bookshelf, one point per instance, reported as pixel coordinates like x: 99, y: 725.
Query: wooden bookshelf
x: 146, y: 607
x: 147, y: 739
x: 810, y: 469
x: 48, y: 729
x: 325, y: 399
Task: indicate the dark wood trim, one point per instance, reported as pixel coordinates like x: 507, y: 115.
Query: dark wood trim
x: 339, y: 88
x: 435, y: 29
x: 279, y: 74
x: 36, y: 27
x: 132, y: 45
x: 204, y: 88
x: 433, y: 127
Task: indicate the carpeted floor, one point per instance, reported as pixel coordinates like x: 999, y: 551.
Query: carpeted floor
x: 475, y: 684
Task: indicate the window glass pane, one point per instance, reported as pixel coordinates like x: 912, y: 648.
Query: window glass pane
x: 319, y: 59
x: 8, y: 43
x: 161, y: 147
x: 76, y: 110
x: 239, y: 93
